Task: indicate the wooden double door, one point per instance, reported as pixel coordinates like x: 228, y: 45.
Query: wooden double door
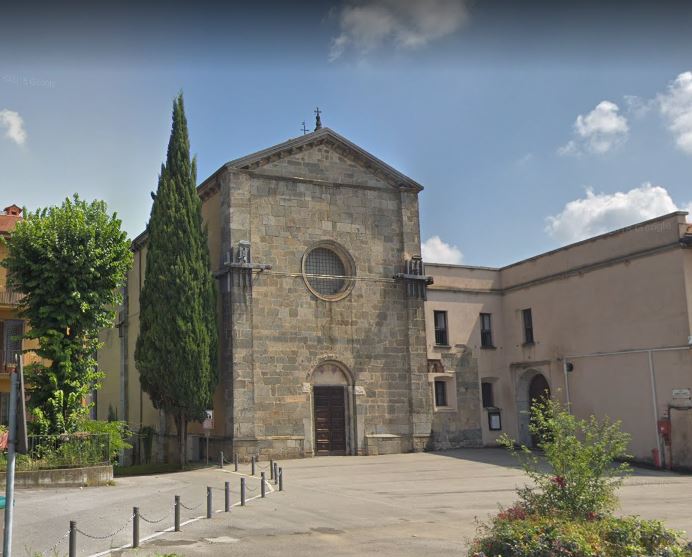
x: 330, y: 420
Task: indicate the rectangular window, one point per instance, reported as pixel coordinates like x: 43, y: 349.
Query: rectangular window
x: 440, y: 318
x: 528, y: 326
x: 440, y: 393
x: 487, y: 392
x: 486, y: 331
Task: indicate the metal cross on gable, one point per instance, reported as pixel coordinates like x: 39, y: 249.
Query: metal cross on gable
x: 318, y: 120
x: 238, y: 266
x: 415, y: 278
x: 304, y: 129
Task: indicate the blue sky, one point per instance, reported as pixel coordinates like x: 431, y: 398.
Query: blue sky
x: 530, y: 124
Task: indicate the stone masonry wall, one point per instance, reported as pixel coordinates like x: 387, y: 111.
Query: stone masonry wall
x: 279, y: 331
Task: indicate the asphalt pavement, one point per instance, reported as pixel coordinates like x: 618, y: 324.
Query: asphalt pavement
x: 399, y: 505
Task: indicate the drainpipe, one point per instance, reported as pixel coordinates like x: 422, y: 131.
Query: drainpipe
x: 564, y: 371
x: 652, y: 374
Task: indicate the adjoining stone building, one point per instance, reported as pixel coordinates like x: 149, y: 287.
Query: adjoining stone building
x: 316, y: 246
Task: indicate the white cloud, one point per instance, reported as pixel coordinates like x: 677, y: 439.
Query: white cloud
x: 15, y: 126
x: 676, y: 106
x: 638, y: 106
x: 598, y: 213
x: 368, y: 24
x: 434, y: 250
x: 597, y: 132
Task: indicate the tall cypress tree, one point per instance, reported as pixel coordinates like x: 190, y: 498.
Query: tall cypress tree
x: 176, y: 351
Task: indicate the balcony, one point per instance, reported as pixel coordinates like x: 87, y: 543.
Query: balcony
x: 9, y: 297
x: 8, y: 360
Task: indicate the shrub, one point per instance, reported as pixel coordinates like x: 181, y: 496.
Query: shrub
x: 554, y: 536
x: 581, y: 477
x: 118, y: 433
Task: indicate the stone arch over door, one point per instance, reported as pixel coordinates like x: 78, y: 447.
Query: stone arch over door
x: 332, y: 425
x: 531, y: 383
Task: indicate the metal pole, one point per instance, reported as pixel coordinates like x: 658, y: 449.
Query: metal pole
x: 135, y: 526
x: 271, y: 469
x: 73, y: 538
x: 242, y: 492
x: 263, y: 489
x: 208, y: 502
x: 176, y: 523
x: 221, y: 459
x: 652, y: 372
x: 11, y: 457
x: 227, y: 497
x: 276, y: 473
x: 235, y: 461
x: 281, y: 479
x: 252, y: 460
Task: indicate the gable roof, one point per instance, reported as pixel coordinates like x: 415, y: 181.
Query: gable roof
x: 323, y: 136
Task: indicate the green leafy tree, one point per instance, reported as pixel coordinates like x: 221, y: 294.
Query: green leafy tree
x: 69, y: 262
x: 578, y: 475
x: 176, y: 351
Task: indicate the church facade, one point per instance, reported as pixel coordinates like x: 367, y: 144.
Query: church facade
x: 335, y: 339
x: 316, y: 247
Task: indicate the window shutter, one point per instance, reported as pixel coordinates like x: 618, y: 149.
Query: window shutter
x: 13, y: 339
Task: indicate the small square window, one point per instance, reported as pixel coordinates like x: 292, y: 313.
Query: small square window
x: 487, y: 395
x: 440, y: 393
x: 486, y: 331
x: 441, y: 337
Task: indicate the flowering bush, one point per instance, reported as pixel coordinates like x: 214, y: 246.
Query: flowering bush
x: 567, y: 510
x: 553, y: 536
x: 578, y: 477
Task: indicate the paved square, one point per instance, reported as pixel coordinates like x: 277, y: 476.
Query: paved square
x: 410, y: 504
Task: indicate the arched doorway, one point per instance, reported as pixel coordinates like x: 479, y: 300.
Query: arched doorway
x: 332, y: 409
x: 531, y: 385
x: 539, y: 391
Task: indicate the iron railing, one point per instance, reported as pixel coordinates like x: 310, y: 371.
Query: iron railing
x: 9, y: 297
x: 8, y: 358
x: 64, y: 451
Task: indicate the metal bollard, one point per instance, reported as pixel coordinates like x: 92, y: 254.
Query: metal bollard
x: 271, y: 469
x: 276, y: 473
x: 176, y: 520
x: 242, y: 492
x: 221, y: 459
x: 227, y: 497
x: 252, y: 459
x: 235, y: 461
x: 281, y: 479
x: 73, y: 538
x: 263, y: 487
x: 135, y: 526
x: 208, y: 502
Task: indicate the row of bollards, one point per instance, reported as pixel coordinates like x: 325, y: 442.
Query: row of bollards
x: 276, y: 473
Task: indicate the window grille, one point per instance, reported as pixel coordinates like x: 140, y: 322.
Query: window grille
x: 528, y: 326
x: 486, y: 331
x: 440, y: 393
x: 441, y: 328
x: 487, y: 395
x: 330, y: 267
